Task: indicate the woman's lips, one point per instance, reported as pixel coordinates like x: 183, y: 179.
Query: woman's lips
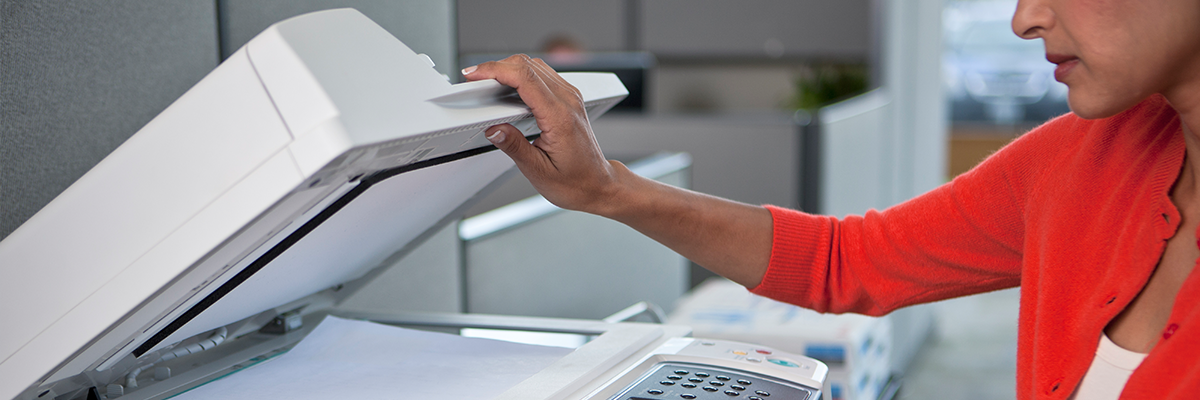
x: 1065, y: 65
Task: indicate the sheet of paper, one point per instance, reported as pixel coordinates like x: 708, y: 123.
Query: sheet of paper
x: 344, y: 359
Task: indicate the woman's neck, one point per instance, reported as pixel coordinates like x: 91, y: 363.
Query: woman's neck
x: 1189, y: 178
x: 1185, y: 98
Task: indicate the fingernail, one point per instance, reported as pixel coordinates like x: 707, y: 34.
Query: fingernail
x: 469, y: 70
x: 496, y: 137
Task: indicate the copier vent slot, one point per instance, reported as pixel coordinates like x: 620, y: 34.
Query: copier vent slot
x: 295, y: 237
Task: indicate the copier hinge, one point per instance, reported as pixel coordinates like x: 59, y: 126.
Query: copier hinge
x: 284, y: 323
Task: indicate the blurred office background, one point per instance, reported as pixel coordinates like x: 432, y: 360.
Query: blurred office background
x: 830, y: 106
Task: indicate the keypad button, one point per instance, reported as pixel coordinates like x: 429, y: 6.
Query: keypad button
x: 732, y: 393
x: 689, y: 385
x: 695, y: 379
x: 655, y: 391
x: 674, y: 377
x: 688, y: 396
x: 737, y: 387
x: 702, y: 374
x: 722, y: 377
x: 743, y: 381
x: 681, y: 372
x: 761, y: 393
x: 717, y: 383
x: 668, y: 383
x: 710, y: 388
x: 755, y: 398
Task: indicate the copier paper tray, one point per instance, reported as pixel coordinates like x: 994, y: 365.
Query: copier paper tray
x: 236, y: 220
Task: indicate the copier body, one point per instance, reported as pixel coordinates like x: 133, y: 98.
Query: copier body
x: 318, y: 152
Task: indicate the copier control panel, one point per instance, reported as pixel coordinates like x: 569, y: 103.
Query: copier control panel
x: 690, y: 381
x: 702, y: 369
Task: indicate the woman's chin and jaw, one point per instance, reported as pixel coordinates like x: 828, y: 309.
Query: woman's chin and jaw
x: 1096, y: 97
x: 1095, y: 103
x: 1104, y: 77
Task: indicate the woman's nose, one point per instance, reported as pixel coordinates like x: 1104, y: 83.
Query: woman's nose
x: 1033, y: 18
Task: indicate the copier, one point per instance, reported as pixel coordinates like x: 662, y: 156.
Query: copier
x: 237, y: 219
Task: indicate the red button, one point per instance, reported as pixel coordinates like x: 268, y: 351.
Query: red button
x: 761, y: 351
x: 1170, y: 331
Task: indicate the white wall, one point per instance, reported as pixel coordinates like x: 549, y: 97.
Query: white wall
x: 912, y: 73
x: 857, y: 158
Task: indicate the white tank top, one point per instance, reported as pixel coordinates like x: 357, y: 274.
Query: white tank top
x: 1109, y: 372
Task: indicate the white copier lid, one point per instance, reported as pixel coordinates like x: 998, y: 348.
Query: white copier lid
x: 316, y: 153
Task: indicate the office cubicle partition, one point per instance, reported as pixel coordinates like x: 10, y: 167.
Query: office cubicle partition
x: 80, y: 77
x: 532, y: 258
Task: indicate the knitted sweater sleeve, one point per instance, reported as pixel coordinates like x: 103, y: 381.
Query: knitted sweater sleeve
x: 962, y: 238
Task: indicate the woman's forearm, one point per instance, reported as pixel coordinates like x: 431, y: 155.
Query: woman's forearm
x: 729, y: 238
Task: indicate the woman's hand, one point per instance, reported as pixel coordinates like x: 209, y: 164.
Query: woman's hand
x: 565, y: 164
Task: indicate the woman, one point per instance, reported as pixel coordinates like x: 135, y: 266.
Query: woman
x: 1094, y: 214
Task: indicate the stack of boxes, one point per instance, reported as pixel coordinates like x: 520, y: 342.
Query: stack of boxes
x: 856, y: 348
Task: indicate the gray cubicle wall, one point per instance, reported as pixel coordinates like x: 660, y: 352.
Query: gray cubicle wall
x: 688, y: 29
x: 756, y: 29
x: 752, y: 158
x: 77, y: 78
x: 531, y: 258
x: 522, y: 26
x: 428, y: 279
x: 426, y: 26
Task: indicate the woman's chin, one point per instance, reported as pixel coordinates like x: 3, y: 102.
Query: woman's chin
x: 1097, y: 106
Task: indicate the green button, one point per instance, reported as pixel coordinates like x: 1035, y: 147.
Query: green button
x: 785, y: 363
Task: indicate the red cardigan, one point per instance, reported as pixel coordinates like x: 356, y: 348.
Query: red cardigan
x: 1076, y: 212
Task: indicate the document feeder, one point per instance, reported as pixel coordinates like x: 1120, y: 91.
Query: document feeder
x: 232, y: 223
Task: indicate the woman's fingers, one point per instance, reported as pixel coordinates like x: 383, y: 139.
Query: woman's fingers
x: 518, y: 72
x: 565, y: 164
x: 558, y: 81
x: 510, y: 140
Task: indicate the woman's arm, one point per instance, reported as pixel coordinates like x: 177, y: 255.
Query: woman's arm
x: 566, y: 166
